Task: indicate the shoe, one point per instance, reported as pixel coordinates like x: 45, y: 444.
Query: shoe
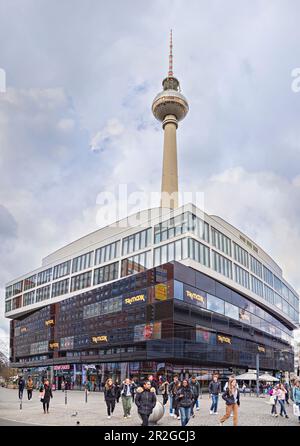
x: 221, y: 424
x: 287, y: 416
x: 215, y: 413
x: 178, y: 418
x: 231, y: 414
x: 276, y: 414
x: 193, y: 415
x: 171, y: 415
x: 129, y: 416
x: 109, y: 417
x: 210, y: 412
x: 125, y: 417
x: 281, y: 415
x: 197, y: 408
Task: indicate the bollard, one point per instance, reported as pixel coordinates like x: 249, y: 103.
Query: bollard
x: 86, y: 398
x: 66, y: 396
x: 21, y: 406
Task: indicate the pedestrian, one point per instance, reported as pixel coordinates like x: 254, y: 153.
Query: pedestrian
x: 296, y: 395
x: 232, y: 400
x: 153, y: 383
x: 195, y: 387
x: 46, y: 394
x: 172, y: 389
x: 127, y: 393
x: 145, y: 400
x: 185, y: 397
x: 287, y: 395
x: 118, y: 391
x: 244, y: 388
x: 274, y: 393
x: 110, y: 395
x: 21, y: 386
x: 29, y: 387
x: 214, y: 389
x: 164, y: 389
x: 281, y: 398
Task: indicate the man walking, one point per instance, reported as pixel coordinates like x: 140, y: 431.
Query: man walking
x: 21, y: 386
x: 195, y: 387
x: 214, y: 389
x: 173, y: 387
x: 127, y: 394
x: 29, y: 387
x: 145, y: 400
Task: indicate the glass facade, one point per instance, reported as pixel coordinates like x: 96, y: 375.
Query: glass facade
x: 82, y: 262
x: 221, y: 264
x: 107, y: 253
x: 171, y: 251
x: 199, y: 252
x: 63, y: 269
x: 60, y: 287
x: 81, y: 281
x: 136, y: 242
x: 106, y: 273
x: 171, y: 314
x: 30, y: 282
x: 241, y: 276
x: 135, y: 264
x: 241, y: 255
x: 44, y: 276
x: 220, y: 241
x: 43, y: 293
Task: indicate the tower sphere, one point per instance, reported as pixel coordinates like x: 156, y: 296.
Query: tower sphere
x: 170, y: 101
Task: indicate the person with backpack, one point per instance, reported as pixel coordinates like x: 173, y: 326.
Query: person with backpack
x: 172, y: 389
x: 29, y: 387
x: 231, y: 396
x: 145, y: 401
x: 214, y: 390
x: 195, y: 387
x: 185, y: 398
x: 110, y: 395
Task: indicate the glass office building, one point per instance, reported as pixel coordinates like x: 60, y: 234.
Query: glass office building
x: 181, y: 292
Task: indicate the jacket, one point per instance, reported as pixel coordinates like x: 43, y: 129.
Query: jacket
x: 229, y: 399
x: 185, y: 397
x: 195, y: 388
x: 110, y: 393
x: 296, y: 395
x: 214, y: 388
x: 173, y: 388
x: 145, y: 400
x: 124, y: 388
x: 164, y: 387
x: 47, y: 393
x: 21, y: 383
x: 29, y: 384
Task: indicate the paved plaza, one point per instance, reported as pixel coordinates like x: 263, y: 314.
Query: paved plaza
x: 253, y: 411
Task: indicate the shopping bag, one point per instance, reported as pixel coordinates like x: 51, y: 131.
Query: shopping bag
x: 272, y: 400
x: 296, y: 410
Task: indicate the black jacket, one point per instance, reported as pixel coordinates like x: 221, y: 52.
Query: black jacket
x: 214, y: 388
x: 173, y: 388
x: 229, y: 399
x: 195, y: 388
x: 124, y: 389
x: 145, y: 401
x: 110, y: 393
x: 185, y: 397
x: 21, y: 383
x: 47, y: 393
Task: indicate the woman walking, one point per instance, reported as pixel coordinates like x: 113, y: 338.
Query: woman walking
x: 296, y: 395
x: 281, y: 398
x: 110, y: 395
x: 164, y: 389
x: 46, y: 394
x: 232, y: 400
x: 274, y: 393
x: 185, y: 397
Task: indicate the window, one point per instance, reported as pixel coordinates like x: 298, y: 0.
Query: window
x: 43, y: 293
x: 106, y: 306
x: 28, y: 298
x: 17, y: 288
x: 257, y: 286
x: 44, y: 276
x: 180, y: 225
x: 107, y: 253
x: 241, y: 276
x: 8, y: 306
x: 81, y: 281
x: 198, y: 226
x: 106, y: 273
x: 172, y: 251
x: 220, y: 241
x: 231, y: 311
x: 8, y: 292
x: 63, y: 269
x: 178, y: 290
x: 241, y: 255
x: 135, y: 264
x: 255, y: 266
x: 221, y: 264
x: 215, y: 304
x: 30, y: 282
x: 269, y: 294
x: 277, y: 284
x: 61, y: 287
x: 137, y: 241
x: 199, y: 252
x: 268, y: 277
x: 82, y: 262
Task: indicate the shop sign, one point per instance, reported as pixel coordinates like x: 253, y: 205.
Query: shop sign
x: 97, y: 339
x: 62, y: 367
x: 161, y: 291
x: 49, y: 322
x: 223, y: 339
x: 53, y: 345
x: 193, y: 296
x: 134, y: 299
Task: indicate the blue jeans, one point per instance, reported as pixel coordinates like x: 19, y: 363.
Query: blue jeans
x: 214, y: 402
x: 197, y: 403
x: 282, y: 408
x: 185, y: 415
x: 171, y: 403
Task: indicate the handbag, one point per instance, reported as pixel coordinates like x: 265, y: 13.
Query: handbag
x: 296, y: 410
x: 272, y: 400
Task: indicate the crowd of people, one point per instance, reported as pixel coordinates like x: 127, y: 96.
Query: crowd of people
x: 183, y: 396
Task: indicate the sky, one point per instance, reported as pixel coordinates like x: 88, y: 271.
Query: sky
x: 76, y: 119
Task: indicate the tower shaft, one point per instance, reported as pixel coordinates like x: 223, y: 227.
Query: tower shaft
x: 169, y: 184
